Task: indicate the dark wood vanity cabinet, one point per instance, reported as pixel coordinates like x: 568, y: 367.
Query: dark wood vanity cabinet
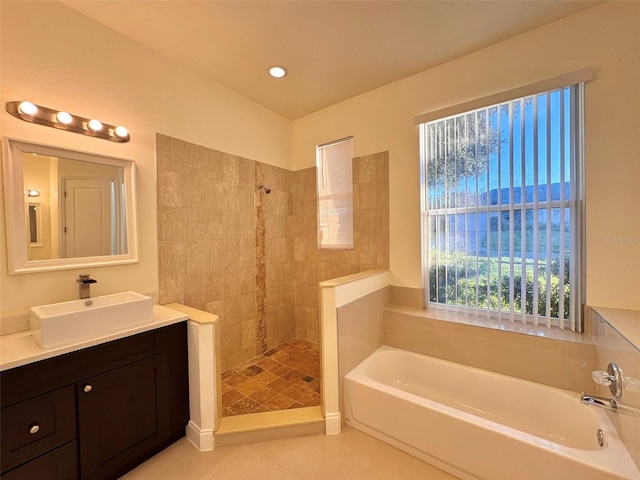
x: 97, y: 413
x: 136, y: 398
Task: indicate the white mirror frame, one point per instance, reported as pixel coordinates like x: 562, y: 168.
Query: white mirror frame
x: 15, y: 225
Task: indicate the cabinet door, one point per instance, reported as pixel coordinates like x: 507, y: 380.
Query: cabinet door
x: 122, y: 417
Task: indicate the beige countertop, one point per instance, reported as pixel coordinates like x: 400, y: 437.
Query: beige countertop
x: 21, y: 348
x: 195, y: 315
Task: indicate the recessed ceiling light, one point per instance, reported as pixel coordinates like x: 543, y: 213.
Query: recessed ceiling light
x: 277, y: 71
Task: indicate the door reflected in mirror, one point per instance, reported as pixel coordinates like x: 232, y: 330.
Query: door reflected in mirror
x: 83, y: 213
x: 35, y: 225
x: 81, y: 203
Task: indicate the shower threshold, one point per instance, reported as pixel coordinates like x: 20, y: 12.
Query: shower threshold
x: 256, y: 427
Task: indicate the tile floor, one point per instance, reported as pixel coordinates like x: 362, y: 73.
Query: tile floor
x: 287, y: 376
x: 351, y: 455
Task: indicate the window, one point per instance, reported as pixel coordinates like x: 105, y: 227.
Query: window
x: 335, y: 194
x: 501, y: 211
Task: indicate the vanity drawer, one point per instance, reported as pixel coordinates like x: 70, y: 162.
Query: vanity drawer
x: 36, y: 378
x: 36, y: 426
x: 59, y: 464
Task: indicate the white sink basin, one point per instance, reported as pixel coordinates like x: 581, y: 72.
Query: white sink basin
x: 78, y: 320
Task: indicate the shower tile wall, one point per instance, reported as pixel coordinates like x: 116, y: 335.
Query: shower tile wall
x: 207, y: 239
x: 210, y: 251
x: 278, y: 261
x: 371, y: 236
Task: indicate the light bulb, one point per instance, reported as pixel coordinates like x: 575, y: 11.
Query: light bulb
x: 64, y: 117
x: 33, y: 193
x: 95, y: 125
x: 277, y: 72
x: 28, y: 108
x: 121, y: 131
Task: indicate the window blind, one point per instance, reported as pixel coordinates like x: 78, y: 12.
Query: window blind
x: 501, y: 206
x: 553, y: 83
x: 335, y: 194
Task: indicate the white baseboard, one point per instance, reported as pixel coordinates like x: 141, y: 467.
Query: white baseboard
x: 203, y: 440
x: 333, y: 423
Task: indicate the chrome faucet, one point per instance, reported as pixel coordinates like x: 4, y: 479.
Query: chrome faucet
x: 612, y: 378
x: 84, y: 285
x: 616, y: 381
x: 610, y: 404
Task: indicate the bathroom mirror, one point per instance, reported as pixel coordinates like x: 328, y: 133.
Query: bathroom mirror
x: 67, y: 209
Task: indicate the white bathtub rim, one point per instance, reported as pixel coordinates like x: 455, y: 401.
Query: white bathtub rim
x: 455, y: 469
x: 613, y: 458
x: 359, y: 375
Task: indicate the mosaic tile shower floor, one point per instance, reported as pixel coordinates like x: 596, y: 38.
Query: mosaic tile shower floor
x: 287, y: 376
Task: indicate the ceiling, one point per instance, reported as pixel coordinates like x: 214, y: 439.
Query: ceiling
x: 333, y: 50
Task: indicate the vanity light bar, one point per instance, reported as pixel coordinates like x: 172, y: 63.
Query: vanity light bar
x: 30, y: 112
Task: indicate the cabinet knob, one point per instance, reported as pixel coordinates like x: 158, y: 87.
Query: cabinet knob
x: 33, y: 429
x: 87, y: 388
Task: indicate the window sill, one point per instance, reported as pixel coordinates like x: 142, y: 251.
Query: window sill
x: 484, y: 321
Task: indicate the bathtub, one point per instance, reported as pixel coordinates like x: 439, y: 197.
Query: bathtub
x: 477, y: 424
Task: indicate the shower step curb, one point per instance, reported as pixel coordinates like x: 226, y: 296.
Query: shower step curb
x: 256, y: 427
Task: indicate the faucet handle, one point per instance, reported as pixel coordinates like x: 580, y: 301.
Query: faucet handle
x: 612, y: 378
x: 615, y: 379
x: 85, y: 278
x: 602, y: 378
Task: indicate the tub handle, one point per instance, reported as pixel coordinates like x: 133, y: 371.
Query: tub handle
x: 602, y: 378
x: 610, y: 404
x: 615, y: 379
x: 612, y: 378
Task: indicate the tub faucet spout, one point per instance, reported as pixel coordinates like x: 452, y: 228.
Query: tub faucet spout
x: 610, y: 404
x: 84, y: 285
x: 606, y: 403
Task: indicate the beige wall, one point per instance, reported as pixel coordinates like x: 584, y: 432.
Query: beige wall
x: 370, y: 233
x: 46, y: 59
x: 360, y: 332
x: 564, y: 364
x: 605, y: 37
x: 53, y: 56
